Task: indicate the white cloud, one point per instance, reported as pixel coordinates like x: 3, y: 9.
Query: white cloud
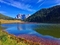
x: 57, y: 2
x: 22, y: 6
x: 42, y: 3
x: 17, y: 4
x: 2, y: 1
x: 39, y: 1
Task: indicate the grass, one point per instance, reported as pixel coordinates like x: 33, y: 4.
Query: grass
x: 10, y: 21
x: 7, y: 39
x: 52, y: 30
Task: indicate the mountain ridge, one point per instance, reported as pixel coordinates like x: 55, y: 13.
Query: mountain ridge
x: 46, y: 15
x: 2, y: 16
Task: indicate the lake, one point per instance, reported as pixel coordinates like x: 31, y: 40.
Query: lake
x: 18, y: 29
x: 28, y: 29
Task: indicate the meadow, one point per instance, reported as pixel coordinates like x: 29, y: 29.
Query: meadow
x: 2, y: 21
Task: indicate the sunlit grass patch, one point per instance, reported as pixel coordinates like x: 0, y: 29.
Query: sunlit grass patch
x: 10, y: 21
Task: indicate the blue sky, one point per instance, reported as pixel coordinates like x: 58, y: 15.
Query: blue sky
x: 13, y: 7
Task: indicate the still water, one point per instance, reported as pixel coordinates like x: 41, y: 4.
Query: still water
x: 26, y: 28
x: 18, y: 29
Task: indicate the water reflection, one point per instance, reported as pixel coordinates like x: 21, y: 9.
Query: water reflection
x: 27, y: 31
x: 25, y: 26
x: 19, y: 27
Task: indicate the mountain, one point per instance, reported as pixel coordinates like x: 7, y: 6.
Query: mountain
x: 5, y: 17
x: 46, y: 15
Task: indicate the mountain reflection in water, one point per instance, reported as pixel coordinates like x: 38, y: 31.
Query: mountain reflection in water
x: 27, y: 31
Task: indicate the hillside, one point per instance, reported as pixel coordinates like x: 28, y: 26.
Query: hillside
x: 46, y: 15
x: 5, y: 17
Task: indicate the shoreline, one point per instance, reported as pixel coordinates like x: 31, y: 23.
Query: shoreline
x: 31, y: 39
x: 34, y: 39
x: 21, y: 39
x: 40, y: 40
x: 2, y: 21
